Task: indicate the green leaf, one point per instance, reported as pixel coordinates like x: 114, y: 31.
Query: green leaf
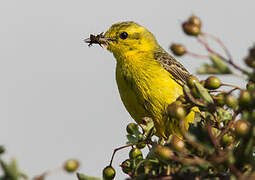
x: 187, y: 92
x: 9, y: 172
x: 223, y: 115
x: 85, y: 177
x: 220, y: 64
x: 208, y: 69
x: 13, y: 166
x: 137, y: 132
x: 2, y: 149
x: 132, y: 139
x: 197, y: 118
x: 203, y: 93
x: 148, y: 126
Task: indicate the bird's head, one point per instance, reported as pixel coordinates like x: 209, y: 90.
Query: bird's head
x: 129, y: 36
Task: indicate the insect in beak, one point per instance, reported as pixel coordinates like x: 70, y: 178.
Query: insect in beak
x: 99, y: 39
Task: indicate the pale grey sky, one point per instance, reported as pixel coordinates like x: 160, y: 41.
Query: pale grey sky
x: 59, y: 99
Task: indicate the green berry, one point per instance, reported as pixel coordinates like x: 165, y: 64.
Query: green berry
x: 176, y: 111
x: 250, y: 86
x: 163, y: 152
x: 227, y: 140
x: 126, y: 166
x: 212, y: 82
x: 241, y: 127
x: 245, y: 99
x: 195, y: 20
x: 178, y: 49
x: 180, y: 112
x: 108, y: 173
x: 191, y: 29
x: 178, y: 144
x: 135, y: 153
x: 220, y: 99
x: 191, y: 81
x: 71, y: 165
x: 231, y: 101
x: 132, y: 128
x: 250, y: 61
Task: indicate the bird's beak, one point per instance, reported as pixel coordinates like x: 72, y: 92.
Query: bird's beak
x: 99, y: 39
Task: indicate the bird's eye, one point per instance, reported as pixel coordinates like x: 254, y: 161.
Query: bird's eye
x: 124, y: 35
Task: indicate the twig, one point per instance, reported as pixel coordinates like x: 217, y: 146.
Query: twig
x: 229, y: 61
x: 224, y: 47
x: 232, y: 90
x: 217, y: 90
x: 47, y: 172
x: 205, y: 45
x: 122, y: 147
x: 225, y: 130
x: 194, y: 160
x: 214, y: 139
x: 233, y: 86
x: 197, y: 55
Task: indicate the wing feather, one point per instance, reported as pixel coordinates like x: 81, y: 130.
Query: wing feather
x: 176, y: 69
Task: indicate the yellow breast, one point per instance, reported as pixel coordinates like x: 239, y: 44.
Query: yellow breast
x: 146, y: 89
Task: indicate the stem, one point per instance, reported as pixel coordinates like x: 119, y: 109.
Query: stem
x: 122, y: 147
x: 232, y: 90
x: 225, y: 130
x: 216, y: 90
x: 229, y: 61
x: 224, y: 47
x: 194, y: 160
x: 233, y: 86
x: 47, y: 172
x: 214, y: 139
x: 204, y: 43
x: 197, y: 55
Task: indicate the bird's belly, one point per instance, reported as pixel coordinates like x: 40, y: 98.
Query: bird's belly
x: 149, y: 95
x: 131, y: 101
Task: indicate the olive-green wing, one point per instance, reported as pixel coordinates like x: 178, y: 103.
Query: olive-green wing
x: 176, y: 69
